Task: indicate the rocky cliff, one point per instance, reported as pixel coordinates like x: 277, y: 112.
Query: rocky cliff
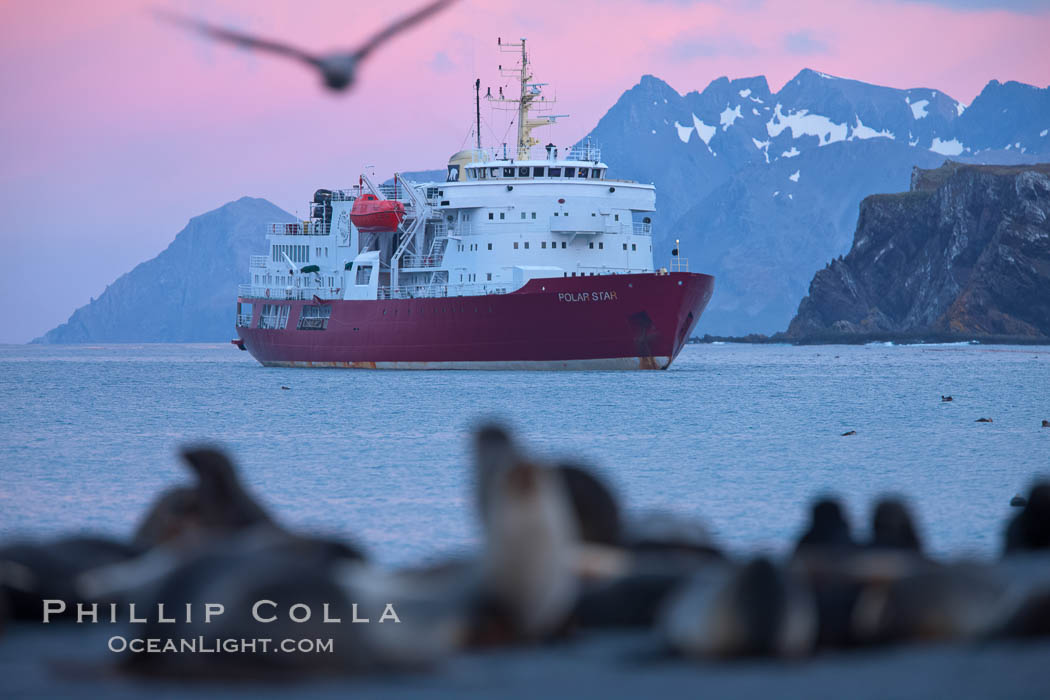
x: 188, y: 293
x: 965, y: 252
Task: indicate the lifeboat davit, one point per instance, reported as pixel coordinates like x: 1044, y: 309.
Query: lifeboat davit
x: 371, y: 214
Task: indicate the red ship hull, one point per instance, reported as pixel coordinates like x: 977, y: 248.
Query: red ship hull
x: 638, y: 321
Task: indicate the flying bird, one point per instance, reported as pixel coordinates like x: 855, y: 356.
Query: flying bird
x: 338, y: 68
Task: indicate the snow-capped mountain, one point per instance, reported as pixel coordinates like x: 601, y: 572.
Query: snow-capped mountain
x: 763, y: 188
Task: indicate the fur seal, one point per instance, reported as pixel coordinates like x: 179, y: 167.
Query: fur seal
x: 531, y: 541
x: 893, y: 527
x: 1030, y: 529
x: 754, y: 610
x: 828, y: 528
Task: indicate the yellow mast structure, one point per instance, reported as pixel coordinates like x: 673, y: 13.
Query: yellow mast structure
x: 530, y: 98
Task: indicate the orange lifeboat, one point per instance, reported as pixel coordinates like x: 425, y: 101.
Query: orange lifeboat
x: 373, y: 215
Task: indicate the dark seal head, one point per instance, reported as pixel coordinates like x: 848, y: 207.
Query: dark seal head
x: 828, y: 527
x: 1030, y: 529
x: 596, y: 509
x: 893, y: 527
x: 217, y: 504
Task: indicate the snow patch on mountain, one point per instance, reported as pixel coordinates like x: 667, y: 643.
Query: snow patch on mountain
x: 946, y: 148
x: 918, y: 109
x: 1044, y: 132
x: 762, y: 146
x: 803, y: 123
x: 860, y: 131
x: 745, y: 93
x: 684, y: 132
x: 729, y: 116
x: 826, y: 76
x: 704, y: 131
x: 795, y: 176
x: 790, y: 154
x: 959, y: 109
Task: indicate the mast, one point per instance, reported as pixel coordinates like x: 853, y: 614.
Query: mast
x: 530, y: 98
x: 477, y: 108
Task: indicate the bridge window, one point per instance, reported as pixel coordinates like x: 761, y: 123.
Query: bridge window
x: 537, y: 171
x: 491, y: 216
x: 616, y: 217
x: 543, y: 244
x: 554, y: 172
x: 591, y: 245
x: 634, y: 246
x: 523, y: 215
x: 533, y: 215
x: 526, y: 245
x: 596, y: 173
x: 508, y: 172
x: 570, y: 172
x: 515, y: 245
x: 523, y: 172
x: 488, y: 276
x: 625, y: 246
x: 490, y: 246
x: 563, y: 244
x: 583, y: 172
x: 494, y: 172
x: 502, y: 216
x: 601, y: 245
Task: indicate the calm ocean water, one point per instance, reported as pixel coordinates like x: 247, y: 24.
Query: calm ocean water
x: 741, y: 436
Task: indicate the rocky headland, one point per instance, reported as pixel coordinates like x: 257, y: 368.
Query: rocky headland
x: 964, y: 254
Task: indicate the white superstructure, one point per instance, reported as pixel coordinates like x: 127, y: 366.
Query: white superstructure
x: 497, y: 221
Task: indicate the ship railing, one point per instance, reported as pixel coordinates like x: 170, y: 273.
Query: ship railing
x: 299, y: 228
x: 346, y: 195
x: 244, y: 320
x: 257, y: 261
x: 251, y: 291
x: 421, y: 260
x: 585, y: 152
x: 642, y: 229
x: 440, y: 291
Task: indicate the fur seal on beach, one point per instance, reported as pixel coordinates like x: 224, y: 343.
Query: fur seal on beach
x: 893, y: 527
x: 216, y: 505
x: 31, y: 572
x: 757, y: 609
x: 531, y: 541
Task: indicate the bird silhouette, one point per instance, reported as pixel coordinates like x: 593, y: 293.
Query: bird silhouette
x: 338, y: 69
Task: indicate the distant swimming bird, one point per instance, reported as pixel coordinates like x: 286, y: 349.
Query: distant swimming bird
x: 983, y: 420
x: 285, y: 388
x: 849, y: 432
x: 338, y: 69
x: 946, y: 399
x: 1046, y: 423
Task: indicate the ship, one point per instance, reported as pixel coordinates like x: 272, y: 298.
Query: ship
x: 527, y: 259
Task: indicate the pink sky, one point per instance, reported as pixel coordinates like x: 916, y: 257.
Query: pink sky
x: 116, y: 129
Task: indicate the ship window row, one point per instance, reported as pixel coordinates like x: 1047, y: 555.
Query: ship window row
x: 296, y: 253
x: 535, y: 171
x: 318, y: 252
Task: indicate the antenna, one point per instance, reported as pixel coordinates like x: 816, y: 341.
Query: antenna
x: 477, y: 108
